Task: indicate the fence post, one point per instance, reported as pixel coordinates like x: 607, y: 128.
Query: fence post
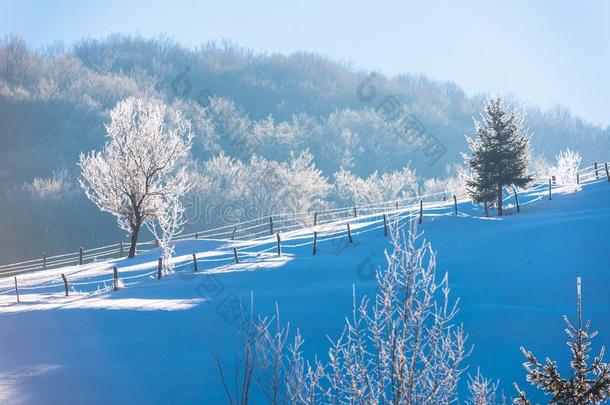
x: 271, y: 224
x: 17, y: 290
x: 65, y: 283
x: 44, y: 261
x: 235, y: 254
x: 315, y: 218
x: 233, y: 234
x: 385, y: 225
x: 607, y: 174
x: 315, y: 242
x: 195, y: 265
x: 550, y: 195
x: 455, y: 204
x: 596, y: 174
x: 279, y: 244
x: 421, y: 211
x: 355, y: 213
x: 349, y: 233
x: 115, y: 278
x: 80, y: 256
x: 517, y: 200
x: 159, y: 268
x: 121, y: 250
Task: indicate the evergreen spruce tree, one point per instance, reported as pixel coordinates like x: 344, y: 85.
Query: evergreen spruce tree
x: 588, y: 384
x: 499, y: 155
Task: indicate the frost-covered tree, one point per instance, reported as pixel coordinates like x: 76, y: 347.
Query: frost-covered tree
x: 263, y: 185
x: 499, y: 155
x: 354, y: 190
x: 167, y: 224
x: 260, y: 187
x: 566, y: 168
x: 59, y: 185
x: 401, y: 347
x: 231, y: 127
x: 540, y: 167
x: 138, y: 173
x: 588, y: 383
x: 306, y: 187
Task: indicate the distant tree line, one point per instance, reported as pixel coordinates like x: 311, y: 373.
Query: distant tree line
x: 54, y: 102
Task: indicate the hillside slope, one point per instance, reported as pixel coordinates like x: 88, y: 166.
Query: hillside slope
x: 151, y: 341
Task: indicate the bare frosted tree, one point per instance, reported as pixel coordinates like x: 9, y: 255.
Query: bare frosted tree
x: 588, y: 384
x: 237, y: 380
x: 168, y: 223
x: 399, y: 348
x: 267, y: 362
x: 403, y: 347
x: 282, y: 374
x: 138, y: 172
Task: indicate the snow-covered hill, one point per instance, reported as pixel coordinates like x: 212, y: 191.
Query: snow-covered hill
x: 150, y: 342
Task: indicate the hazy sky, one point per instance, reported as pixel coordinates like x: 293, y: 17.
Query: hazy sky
x: 546, y: 52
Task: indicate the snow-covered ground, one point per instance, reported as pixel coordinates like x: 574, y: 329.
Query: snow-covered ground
x: 151, y: 341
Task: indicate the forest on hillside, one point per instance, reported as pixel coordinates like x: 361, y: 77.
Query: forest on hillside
x: 300, y: 123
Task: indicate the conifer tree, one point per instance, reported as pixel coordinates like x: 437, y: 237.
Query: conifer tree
x: 588, y: 384
x: 499, y: 155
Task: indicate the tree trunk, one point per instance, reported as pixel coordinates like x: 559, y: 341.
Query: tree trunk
x: 500, y: 196
x: 134, y: 241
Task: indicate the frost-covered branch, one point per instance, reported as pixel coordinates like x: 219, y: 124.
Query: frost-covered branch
x: 482, y: 391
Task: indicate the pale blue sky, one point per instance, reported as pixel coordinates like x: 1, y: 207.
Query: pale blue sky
x: 546, y: 52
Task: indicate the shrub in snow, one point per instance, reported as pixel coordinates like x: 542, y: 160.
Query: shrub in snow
x: 399, y: 347
x: 588, y: 383
x: 482, y: 391
x: 566, y: 169
x: 138, y: 172
x: 57, y: 186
